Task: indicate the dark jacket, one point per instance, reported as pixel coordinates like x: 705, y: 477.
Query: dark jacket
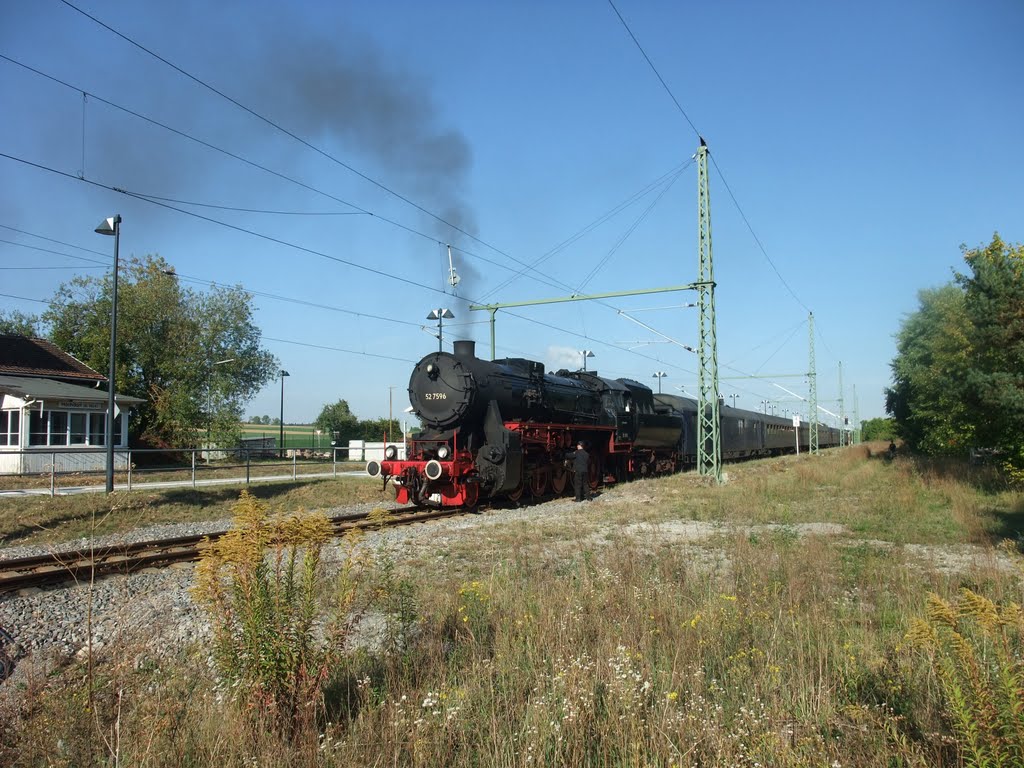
x: 580, y: 461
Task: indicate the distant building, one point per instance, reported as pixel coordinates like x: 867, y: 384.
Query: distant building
x: 54, y: 411
x: 365, y: 450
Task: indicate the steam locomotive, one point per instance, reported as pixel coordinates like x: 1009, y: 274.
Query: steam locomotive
x: 504, y: 428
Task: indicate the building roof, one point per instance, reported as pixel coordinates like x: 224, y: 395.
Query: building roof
x: 25, y: 356
x: 30, y: 388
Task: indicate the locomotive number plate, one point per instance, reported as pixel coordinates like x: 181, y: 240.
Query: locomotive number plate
x: 436, y: 396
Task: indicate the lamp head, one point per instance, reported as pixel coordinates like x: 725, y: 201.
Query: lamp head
x: 109, y: 226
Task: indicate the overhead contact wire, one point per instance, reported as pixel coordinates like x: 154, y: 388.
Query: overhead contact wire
x: 297, y: 247
x: 287, y: 132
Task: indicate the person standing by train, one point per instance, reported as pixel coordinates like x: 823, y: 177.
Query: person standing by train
x: 581, y: 470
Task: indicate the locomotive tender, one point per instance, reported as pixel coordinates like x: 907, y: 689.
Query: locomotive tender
x: 503, y: 428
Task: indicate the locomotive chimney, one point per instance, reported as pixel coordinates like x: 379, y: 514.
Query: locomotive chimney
x: 465, y: 348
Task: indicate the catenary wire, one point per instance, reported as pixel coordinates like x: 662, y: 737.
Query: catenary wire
x: 654, y: 69
x: 534, y: 321
x: 47, y: 269
x: 23, y: 298
x: 314, y: 252
x: 626, y: 235
x: 743, y: 215
x: 558, y: 285
x: 58, y: 253
x: 590, y: 227
x: 250, y: 210
x: 287, y: 132
x: 58, y: 242
x: 285, y: 177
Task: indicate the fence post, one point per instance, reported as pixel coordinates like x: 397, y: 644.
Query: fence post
x: 193, y: 467
x: 334, y: 457
x: 129, y: 470
x: 53, y: 474
x: 295, y: 457
x: 247, y: 454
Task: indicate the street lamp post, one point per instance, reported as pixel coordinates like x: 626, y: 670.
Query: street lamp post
x: 659, y: 375
x: 440, y: 314
x: 391, y: 418
x: 280, y: 451
x: 111, y: 226
x: 586, y: 353
x: 733, y: 400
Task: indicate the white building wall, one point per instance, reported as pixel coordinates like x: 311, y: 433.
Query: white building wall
x: 26, y: 459
x: 364, y: 450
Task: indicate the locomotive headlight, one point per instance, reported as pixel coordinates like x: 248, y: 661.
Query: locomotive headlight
x: 444, y: 452
x: 391, y: 452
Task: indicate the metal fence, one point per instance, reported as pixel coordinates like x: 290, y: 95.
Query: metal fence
x: 63, y: 471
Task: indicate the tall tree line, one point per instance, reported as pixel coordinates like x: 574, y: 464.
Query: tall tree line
x: 958, y: 375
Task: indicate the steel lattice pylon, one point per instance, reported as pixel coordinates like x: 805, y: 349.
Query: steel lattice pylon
x: 812, y: 376
x: 842, y: 410
x: 709, y: 444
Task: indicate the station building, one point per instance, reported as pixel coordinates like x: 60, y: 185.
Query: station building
x: 53, y: 411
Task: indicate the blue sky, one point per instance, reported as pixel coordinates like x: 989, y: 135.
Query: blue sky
x: 862, y: 142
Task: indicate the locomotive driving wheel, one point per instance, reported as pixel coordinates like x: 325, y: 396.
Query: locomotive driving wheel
x: 472, y: 496
x: 517, y: 494
x: 539, y: 482
x: 559, y: 479
x: 594, y: 472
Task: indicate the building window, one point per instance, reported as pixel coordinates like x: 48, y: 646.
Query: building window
x: 38, y: 427
x: 64, y: 428
x: 97, y: 428
x: 79, y: 428
x: 58, y: 427
x: 9, y: 423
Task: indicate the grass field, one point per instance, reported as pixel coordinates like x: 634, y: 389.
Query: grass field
x: 295, y: 435
x: 816, y: 611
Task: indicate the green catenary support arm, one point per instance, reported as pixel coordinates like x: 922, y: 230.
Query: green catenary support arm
x: 493, y: 308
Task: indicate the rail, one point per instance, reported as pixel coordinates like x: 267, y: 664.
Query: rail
x: 86, y: 564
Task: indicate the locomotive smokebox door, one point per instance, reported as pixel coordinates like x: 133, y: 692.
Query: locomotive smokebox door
x: 442, y: 390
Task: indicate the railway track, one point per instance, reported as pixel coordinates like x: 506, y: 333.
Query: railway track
x: 87, y: 564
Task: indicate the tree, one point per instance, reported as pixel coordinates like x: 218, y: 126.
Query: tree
x: 994, y: 303
x: 375, y: 429
x: 16, y: 322
x: 168, y: 339
x: 877, y: 429
x: 338, y: 421
x: 929, y: 375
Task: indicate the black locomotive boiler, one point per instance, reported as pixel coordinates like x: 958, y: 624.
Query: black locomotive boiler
x: 503, y: 428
